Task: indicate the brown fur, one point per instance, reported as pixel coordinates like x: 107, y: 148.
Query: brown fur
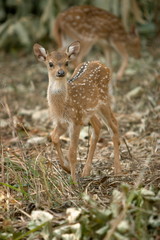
x: 73, y: 103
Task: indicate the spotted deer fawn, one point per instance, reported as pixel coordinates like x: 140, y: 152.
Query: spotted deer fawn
x: 82, y: 99
x: 91, y: 25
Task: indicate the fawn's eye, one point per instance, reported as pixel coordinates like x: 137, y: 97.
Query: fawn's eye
x: 66, y: 64
x: 51, y: 64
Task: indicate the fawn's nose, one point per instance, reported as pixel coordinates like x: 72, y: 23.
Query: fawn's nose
x: 60, y: 73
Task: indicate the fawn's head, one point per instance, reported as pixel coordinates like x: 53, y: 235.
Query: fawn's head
x: 57, y: 61
x: 134, y: 45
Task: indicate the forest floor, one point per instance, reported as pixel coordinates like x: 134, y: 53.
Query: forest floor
x: 31, y: 177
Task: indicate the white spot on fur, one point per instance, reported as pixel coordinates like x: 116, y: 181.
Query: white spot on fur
x: 78, y: 17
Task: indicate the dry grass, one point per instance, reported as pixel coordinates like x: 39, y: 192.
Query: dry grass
x: 31, y: 177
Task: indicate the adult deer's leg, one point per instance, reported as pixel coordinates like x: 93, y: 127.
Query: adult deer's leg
x: 111, y: 122
x: 94, y: 139
x: 72, y: 154
x: 121, y: 49
x: 108, y: 55
x: 107, y: 49
x: 85, y: 48
x: 57, y: 132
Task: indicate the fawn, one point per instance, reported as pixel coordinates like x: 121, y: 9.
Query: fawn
x: 83, y: 98
x: 91, y: 25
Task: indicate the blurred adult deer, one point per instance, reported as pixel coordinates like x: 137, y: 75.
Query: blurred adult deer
x: 91, y: 25
x: 82, y: 99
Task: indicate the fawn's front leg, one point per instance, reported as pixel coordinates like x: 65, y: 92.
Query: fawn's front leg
x: 57, y: 132
x: 72, y: 154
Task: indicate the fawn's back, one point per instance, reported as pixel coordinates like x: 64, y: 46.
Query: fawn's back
x: 88, y: 89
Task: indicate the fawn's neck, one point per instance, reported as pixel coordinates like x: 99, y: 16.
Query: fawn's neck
x: 57, y: 96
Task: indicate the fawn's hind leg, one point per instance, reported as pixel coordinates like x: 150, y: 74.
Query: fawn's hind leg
x: 111, y: 123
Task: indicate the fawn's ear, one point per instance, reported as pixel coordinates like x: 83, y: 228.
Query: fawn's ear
x: 39, y: 52
x: 73, y: 50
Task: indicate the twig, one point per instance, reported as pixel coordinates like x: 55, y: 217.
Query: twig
x: 116, y: 223
x: 142, y: 173
x: 88, y: 139
x: 127, y: 148
x: 2, y: 167
x: 10, y: 117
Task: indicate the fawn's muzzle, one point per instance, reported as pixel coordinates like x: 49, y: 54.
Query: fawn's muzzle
x: 60, y: 73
